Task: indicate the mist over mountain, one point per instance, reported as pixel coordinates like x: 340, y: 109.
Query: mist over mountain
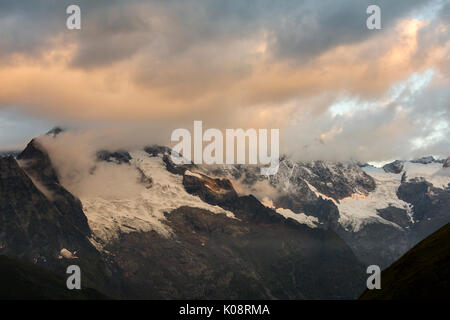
x: 141, y: 226
x: 350, y: 98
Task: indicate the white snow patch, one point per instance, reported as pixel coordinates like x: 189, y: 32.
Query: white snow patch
x: 431, y: 172
x: 108, y: 216
x: 66, y: 254
x: 310, y: 221
x: 358, y: 209
x: 193, y: 174
x: 302, y: 218
x: 319, y: 194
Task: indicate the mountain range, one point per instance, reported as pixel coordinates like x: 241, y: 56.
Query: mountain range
x: 141, y: 227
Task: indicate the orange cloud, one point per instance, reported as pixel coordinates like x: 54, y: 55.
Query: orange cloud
x: 249, y: 77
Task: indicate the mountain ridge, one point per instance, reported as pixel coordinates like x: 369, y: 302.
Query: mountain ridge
x: 421, y: 273
x: 262, y: 254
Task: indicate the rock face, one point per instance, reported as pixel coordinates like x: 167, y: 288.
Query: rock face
x: 424, y: 160
x: 312, y: 188
x: 37, y: 165
x: 32, y: 225
x: 394, y: 167
x: 431, y: 207
x: 116, y: 156
x: 36, y: 226
x: 376, y: 243
x: 213, y: 191
x: 447, y: 163
x: 259, y: 257
x: 55, y: 131
x: 385, y: 243
x: 172, y: 167
x: 422, y: 273
x: 396, y: 215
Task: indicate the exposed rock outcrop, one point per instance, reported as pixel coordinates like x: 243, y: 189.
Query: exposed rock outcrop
x: 394, y: 167
x: 213, y: 191
x: 37, y: 223
x: 424, y: 160
x: 116, y: 156
x: 446, y: 163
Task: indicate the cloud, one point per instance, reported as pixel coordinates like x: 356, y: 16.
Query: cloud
x: 402, y: 124
x: 145, y: 68
x: 73, y: 154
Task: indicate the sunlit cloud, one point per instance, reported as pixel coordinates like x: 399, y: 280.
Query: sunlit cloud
x: 335, y: 89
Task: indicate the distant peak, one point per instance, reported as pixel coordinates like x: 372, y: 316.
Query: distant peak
x: 55, y: 131
x: 424, y: 160
x: 447, y: 163
x: 394, y: 167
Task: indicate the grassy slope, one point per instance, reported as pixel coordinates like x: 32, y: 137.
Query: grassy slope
x: 422, y: 273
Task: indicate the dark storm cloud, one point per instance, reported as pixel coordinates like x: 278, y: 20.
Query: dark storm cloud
x: 316, y: 26
x: 27, y: 26
x: 115, y: 30
x: 30, y: 27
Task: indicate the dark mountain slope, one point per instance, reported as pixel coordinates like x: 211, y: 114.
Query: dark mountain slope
x: 214, y: 257
x: 24, y: 280
x: 422, y: 273
x: 37, y: 164
x: 318, y: 189
x: 259, y: 255
x: 36, y: 228
x: 430, y: 207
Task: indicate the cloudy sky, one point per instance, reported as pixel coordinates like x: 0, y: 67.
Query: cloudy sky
x: 139, y: 69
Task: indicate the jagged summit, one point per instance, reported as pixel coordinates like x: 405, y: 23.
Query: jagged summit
x: 425, y: 160
x: 394, y: 167
x: 55, y: 131
x: 446, y: 163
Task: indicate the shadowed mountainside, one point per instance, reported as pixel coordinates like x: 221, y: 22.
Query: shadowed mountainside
x: 422, y: 273
x: 24, y: 280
